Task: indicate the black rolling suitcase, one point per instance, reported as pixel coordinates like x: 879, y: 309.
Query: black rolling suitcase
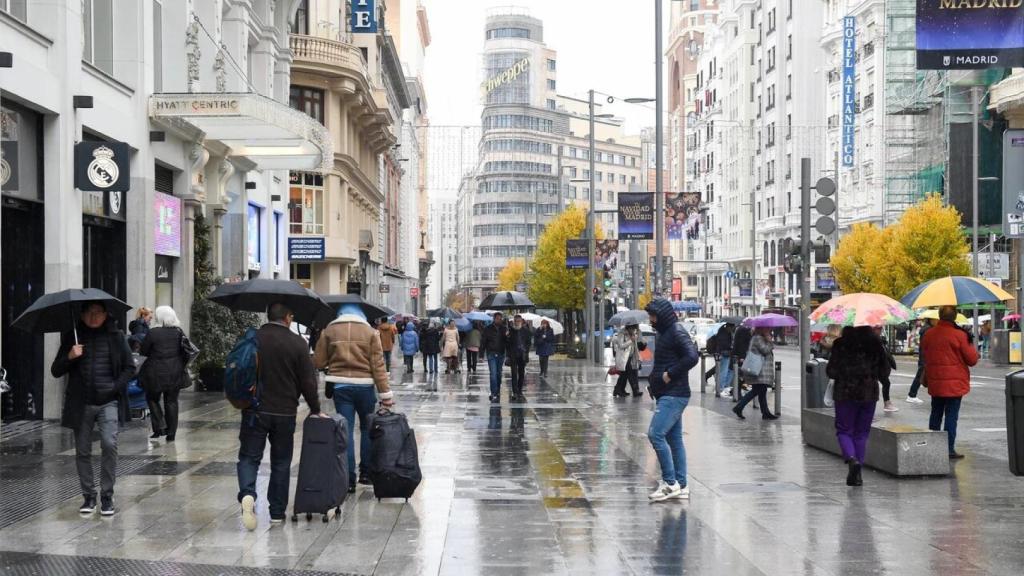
x: 394, y: 457
x: 323, y: 468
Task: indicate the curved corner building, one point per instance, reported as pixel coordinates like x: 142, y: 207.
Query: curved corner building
x: 517, y: 175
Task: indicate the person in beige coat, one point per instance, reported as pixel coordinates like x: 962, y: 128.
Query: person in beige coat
x: 349, y: 349
x: 450, y: 348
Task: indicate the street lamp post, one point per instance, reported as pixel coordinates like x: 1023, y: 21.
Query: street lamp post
x: 659, y: 139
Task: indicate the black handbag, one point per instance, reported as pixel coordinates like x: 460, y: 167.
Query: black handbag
x: 189, y: 351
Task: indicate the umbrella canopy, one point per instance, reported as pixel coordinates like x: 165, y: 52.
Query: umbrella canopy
x: 862, y: 309
x: 1011, y: 317
x: 257, y: 294
x: 446, y: 313
x: 954, y: 291
x: 685, y: 306
x: 478, y: 316
x: 628, y: 318
x: 336, y: 301
x: 506, y: 300
x: 535, y: 320
x: 403, y: 317
x: 933, y: 314
x: 59, y: 311
x: 770, y: 320
x: 733, y: 320
x: 463, y: 324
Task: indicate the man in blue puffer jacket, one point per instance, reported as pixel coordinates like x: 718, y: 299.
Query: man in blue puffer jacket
x: 674, y: 355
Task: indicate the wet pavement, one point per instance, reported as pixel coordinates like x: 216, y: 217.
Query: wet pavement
x: 555, y: 486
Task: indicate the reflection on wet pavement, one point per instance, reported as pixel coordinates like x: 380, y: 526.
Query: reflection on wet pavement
x: 554, y: 486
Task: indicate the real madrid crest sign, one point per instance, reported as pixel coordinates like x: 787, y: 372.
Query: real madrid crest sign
x: 102, y: 166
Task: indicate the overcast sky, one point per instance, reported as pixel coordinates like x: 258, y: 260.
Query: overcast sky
x: 600, y: 44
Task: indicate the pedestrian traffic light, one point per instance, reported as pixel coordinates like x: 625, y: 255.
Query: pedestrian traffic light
x: 607, y: 282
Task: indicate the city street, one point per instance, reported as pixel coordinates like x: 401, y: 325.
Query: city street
x: 556, y: 486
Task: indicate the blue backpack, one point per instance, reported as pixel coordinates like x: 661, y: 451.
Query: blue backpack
x: 242, y: 385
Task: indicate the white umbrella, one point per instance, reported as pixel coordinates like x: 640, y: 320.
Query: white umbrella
x: 535, y: 320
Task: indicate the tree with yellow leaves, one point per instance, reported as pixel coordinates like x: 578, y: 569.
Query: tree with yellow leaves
x: 852, y: 262
x: 511, y: 274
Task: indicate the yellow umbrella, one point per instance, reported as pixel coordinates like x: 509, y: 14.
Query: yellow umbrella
x: 934, y: 315
x: 954, y: 291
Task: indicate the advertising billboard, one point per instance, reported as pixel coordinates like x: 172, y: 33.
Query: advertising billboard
x: 969, y: 34
x: 636, y: 216
x: 1013, y: 183
x: 682, y: 216
x: 576, y: 254
x: 606, y: 254
x: 167, y: 225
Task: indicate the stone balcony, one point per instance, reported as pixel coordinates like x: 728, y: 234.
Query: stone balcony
x: 1008, y: 98
x: 323, y: 55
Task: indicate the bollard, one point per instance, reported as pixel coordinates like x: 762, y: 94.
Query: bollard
x: 703, y: 374
x: 778, y: 387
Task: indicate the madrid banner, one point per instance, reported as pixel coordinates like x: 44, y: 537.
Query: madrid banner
x: 682, y: 215
x: 576, y: 254
x: 636, y: 216
x: 970, y: 34
x: 606, y: 254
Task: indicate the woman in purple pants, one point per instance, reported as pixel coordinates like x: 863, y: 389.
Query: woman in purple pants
x: 857, y: 364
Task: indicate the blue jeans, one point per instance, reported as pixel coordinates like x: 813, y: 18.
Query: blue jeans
x: 495, y: 364
x: 666, y: 436
x: 950, y: 408
x: 387, y: 360
x: 350, y: 400
x: 432, y: 363
x: 253, y: 434
x: 723, y: 376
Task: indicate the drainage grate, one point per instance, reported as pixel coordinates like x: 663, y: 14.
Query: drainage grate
x: 55, y: 482
x: 760, y: 487
x: 16, y: 428
x: 25, y: 564
x: 163, y: 468
x: 227, y: 469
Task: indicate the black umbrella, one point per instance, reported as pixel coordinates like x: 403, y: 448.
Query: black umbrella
x: 59, y: 311
x: 733, y: 320
x: 446, y: 313
x: 372, y: 311
x: 257, y: 294
x: 506, y: 300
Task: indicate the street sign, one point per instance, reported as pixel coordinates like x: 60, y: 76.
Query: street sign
x: 385, y: 288
x: 414, y: 292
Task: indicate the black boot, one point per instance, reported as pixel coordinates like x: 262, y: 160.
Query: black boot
x: 853, y: 477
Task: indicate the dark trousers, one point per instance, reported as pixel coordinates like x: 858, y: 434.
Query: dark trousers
x: 761, y: 392
x: 255, y: 430
x: 105, y: 416
x: 948, y: 409
x: 916, y: 384
x: 886, y: 384
x: 164, y: 421
x: 472, y: 357
x: 387, y: 360
x: 853, y: 426
x: 408, y: 363
x: 630, y: 375
x: 544, y: 365
x: 518, y: 376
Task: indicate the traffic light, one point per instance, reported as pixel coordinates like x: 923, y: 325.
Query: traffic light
x: 606, y: 274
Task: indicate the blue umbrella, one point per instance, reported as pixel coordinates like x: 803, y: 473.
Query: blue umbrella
x: 477, y: 316
x: 685, y: 306
x: 463, y: 324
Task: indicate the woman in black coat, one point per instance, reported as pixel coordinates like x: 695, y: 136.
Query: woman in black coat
x: 163, y: 373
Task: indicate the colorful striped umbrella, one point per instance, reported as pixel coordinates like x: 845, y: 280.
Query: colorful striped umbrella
x: 862, y: 309
x: 954, y: 291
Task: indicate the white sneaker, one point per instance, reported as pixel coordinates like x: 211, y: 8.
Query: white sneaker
x: 726, y: 392
x: 914, y: 400
x: 684, y: 493
x: 665, y: 491
x: 890, y: 408
x: 249, y: 513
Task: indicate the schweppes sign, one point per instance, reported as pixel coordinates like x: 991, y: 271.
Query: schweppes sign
x: 506, y: 76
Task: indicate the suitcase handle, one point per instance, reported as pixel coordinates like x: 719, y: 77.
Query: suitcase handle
x: 383, y: 411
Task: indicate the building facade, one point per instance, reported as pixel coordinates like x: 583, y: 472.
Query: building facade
x: 447, y: 249
x: 198, y: 91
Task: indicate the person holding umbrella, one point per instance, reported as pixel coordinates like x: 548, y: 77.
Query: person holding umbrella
x: 762, y: 345
x: 948, y: 357
x: 519, y: 339
x: 544, y: 343
x: 495, y: 345
x: 98, y: 363
x: 626, y: 347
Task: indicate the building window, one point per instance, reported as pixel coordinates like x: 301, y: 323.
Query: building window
x: 516, y: 87
x: 303, y: 274
x: 551, y: 84
x: 16, y: 8
x: 551, y: 65
x: 508, y: 33
x: 611, y: 196
x: 306, y: 203
x: 551, y: 104
x: 308, y: 100
x: 98, y: 34
x: 301, y: 24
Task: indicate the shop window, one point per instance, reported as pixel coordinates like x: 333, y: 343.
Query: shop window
x: 303, y: 274
x: 306, y: 203
x: 98, y: 32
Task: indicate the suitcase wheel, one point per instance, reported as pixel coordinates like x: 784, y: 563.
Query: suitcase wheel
x: 324, y: 519
x: 337, y: 513
x: 309, y: 516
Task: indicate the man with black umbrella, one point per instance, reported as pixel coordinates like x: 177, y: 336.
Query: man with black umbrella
x: 98, y: 363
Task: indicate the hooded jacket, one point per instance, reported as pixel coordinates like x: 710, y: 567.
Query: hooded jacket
x: 410, y: 340
x: 948, y: 356
x: 544, y: 341
x: 674, y: 353
x: 387, y: 336
x: 350, y: 349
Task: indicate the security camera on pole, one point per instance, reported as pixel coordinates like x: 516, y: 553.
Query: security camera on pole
x: 825, y: 226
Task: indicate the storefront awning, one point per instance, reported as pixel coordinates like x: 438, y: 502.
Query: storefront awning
x: 268, y: 133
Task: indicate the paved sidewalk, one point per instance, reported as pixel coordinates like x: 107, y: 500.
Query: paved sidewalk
x: 556, y: 486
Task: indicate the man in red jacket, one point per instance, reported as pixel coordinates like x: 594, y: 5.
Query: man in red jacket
x: 948, y: 357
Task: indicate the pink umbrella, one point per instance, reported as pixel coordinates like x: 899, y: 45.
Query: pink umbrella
x: 770, y: 320
x: 1011, y: 317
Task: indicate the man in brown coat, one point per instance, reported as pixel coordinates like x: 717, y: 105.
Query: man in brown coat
x: 387, y: 331
x: 351, y: 352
